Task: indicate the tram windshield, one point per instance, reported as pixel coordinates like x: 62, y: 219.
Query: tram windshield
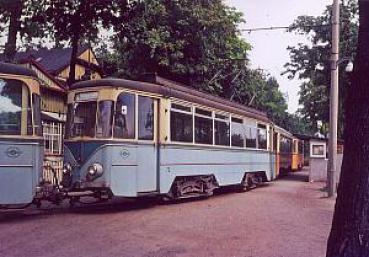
x: 15, y: 111
x: 81, y: 119
x: 88, y: 117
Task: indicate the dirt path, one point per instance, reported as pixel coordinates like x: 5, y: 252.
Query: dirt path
x: 287, y: 218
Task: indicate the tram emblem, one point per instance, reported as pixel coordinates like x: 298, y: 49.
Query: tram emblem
x: 124, y: 153
x: 13, y: 152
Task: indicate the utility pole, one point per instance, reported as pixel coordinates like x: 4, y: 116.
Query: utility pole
x: 333, y: 114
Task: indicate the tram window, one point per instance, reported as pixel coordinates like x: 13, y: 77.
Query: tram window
x: 286, y: 145
x: 251, y: 135
x: 37, y: 114
x: 13, y: 96
x: 124, y: 122
x: 262, y: 138
x: 104, y: 119
x: 83, y: 119
x: 203, y: 112
x: 203, y: 130
x: 145, y: 118
x: 181, y: 108
x: 301, y: 147
x: 222, y: 117
x: 221, y: 132
x: 69, y: 123
x: 181, y: 126
x: 238, y: 137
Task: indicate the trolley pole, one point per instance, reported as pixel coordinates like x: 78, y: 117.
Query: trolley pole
x: 333, y: 115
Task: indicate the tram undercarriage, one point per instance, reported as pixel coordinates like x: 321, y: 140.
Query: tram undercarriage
x: 182, y: 188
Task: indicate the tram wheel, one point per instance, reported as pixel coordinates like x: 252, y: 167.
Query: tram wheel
x: 248, y: 182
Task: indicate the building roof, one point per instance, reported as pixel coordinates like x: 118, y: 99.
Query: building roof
x: 170, y: 88
x: 14, y: 69
x: 53, y: 60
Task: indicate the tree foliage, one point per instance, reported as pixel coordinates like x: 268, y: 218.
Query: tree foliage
x: 188, y: 41
x: 196, y: 43
x: 21, y: 18
x: 79, y: 21
x: 311, y: 61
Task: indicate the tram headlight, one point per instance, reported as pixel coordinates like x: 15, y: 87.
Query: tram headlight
x: 95, y: 170
x: 67, y: 168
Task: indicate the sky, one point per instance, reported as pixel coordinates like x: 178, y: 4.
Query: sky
x: 270, y: 47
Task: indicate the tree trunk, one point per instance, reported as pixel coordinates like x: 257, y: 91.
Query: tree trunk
x: 349, y: 235
x: 73, y: 59
x: 14, y: 25
x: 75, y: 40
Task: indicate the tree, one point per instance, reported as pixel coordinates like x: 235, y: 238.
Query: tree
x: 350, y: 227
x: 196, y: 43
x: 310, y: 62
x: 22, y: 17
x: 188, y: 41
x: 79, y: 21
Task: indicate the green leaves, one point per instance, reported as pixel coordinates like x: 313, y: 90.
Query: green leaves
x: 183, y: 40
x: 311, y: 62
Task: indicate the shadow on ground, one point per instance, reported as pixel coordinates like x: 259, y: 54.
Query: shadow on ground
x: 301, y: 176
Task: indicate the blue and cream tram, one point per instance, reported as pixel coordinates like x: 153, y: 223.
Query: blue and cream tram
x: 128, y: 138
x: 21, y: 142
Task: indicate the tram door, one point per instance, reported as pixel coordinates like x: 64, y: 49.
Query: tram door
x: 148, y: 147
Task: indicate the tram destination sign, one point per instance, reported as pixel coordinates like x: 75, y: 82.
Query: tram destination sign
x: 86, y: 96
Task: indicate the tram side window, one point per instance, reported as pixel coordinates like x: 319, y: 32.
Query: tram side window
x: 251, y: 135
x: 145, y: 118
x: 15, y: 112
x: 262, y: 137
x: 301, y: 147
x: 203, y: 127
x: 37, y: 114
x: 238, y: 137
x: 104, y: 119
x: 124, y: 122
x: 286, y: 145
x: 221, y: 126
x: 181, y: 124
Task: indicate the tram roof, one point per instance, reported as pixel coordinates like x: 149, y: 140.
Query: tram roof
x: 14, y: 69
x: 170, y: 88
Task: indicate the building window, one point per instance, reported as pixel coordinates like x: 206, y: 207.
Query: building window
x: 238, y: 137
x: 203, y: 127
x: 181, y: 123
x: 53, y: 138
x: 318, y: 150
x: 145, y: 118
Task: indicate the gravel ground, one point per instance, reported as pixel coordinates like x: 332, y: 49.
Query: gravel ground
x: 286, y: 218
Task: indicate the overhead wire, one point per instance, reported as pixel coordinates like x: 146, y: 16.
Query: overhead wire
x: 283, y: 27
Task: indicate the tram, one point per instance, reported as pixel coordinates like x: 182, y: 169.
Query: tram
x: 297, y: 155
x: 21, y: 142
x: 283, y: 150
x: 129, y: 138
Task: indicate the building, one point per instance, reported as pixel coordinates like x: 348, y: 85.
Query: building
x: 52, y: 68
